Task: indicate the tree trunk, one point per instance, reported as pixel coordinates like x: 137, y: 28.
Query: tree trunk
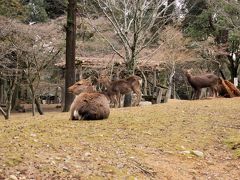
x: 70, y: 52
x: 154, y: 78
x: 9, y: 104
x: 38, y: 107
x: 3, y: 112
x: 1, y: 91
x: 233, y: 67
x: 169, y: 91
x: 10, y: 97
x: 159, y: 96
x: 33, y: 105
x: 33, y: 99
x: 145, y: 83
x: 127, y: 100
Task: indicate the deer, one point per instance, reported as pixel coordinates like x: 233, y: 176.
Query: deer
x: 115, y: 89
x: 88, y: 104
x: 202, y: 81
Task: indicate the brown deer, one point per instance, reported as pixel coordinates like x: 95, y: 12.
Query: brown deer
x: 115, y: 89
x: 202, y: 81
x: 88, y: 104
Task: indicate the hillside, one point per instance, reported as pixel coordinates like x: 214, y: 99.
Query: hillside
x: 176, y: 140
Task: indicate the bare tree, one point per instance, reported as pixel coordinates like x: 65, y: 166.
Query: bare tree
x: 137, y: 24
x: 24, y: 55
x: 133, y: 22
x: 173, y: 53
x: 8, y: 64
x: 35, y: 60
x: 70, y: 52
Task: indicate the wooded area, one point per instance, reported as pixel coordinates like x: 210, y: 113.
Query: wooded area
x: 156, y: 40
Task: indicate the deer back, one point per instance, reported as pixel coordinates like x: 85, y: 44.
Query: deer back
x: 202, y: 81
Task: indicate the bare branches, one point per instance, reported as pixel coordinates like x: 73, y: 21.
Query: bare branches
x: 133, y: 22
x: 24, y: 53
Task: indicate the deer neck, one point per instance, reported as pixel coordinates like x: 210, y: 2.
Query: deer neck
x: 90, y: 89
x: 107, y: 83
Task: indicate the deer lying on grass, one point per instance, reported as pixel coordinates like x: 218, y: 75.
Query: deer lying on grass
x: 88, y: 104
x: 202, y: 81
x: 115, y: 89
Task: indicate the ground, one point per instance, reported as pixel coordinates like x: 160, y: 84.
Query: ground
x: 176, y: 140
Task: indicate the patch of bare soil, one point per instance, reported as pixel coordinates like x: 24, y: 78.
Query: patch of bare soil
x: 176, y: 140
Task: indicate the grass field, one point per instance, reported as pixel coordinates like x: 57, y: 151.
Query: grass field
x: 176, y: 140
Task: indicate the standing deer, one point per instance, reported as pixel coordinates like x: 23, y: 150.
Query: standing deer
x: 115, y: 89
x: 88, y: 104
x: 202, y: 81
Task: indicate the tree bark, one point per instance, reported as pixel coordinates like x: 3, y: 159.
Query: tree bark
x: 127, y: 100
x: 33, y: 99
x: 169, y: 91
x: 159, y: 96
x: 38, y: 107
x: 70, y: 52
x: 1, y: 91
x: 145, y: 83
x: 233, y: 67
x: 3, y: 112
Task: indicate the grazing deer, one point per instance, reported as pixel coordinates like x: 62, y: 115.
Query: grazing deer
x: 202, y: 81
x: 88, y: 104
x: 115, y: 89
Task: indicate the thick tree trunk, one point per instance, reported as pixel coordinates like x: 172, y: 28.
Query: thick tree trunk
x: 127, y: 100
x: 70, y: 52
x: 233, y: 67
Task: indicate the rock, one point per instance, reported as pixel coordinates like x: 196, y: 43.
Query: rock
x: 33, y: 135
x: 197, y: 153
x: 145, y: 103
x: 185, y: 152
x: 87, y: 154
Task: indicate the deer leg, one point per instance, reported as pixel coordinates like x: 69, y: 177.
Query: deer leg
x: 194, y: 94
x: 115, y: 101
x: 198, y: 93
x: 214, y: 91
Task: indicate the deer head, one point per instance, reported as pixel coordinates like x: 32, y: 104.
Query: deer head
x: 81, y: 86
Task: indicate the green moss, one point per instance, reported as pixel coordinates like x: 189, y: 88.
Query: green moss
x: 13, y: 159
x: 233, y: 143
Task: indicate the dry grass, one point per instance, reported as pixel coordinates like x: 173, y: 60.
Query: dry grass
x: 143, y: 142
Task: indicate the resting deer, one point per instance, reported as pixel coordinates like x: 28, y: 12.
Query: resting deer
x: 88, y: 104
x: 202, y: 81
x: 115, y: 89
